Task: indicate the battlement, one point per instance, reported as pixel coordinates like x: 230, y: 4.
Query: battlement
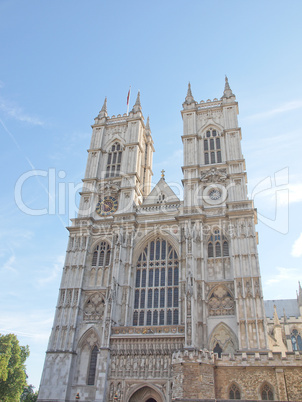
x: 242, y: 359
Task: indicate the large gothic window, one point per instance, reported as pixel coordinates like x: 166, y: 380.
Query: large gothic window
x: 296, y: 340
x: 101, y: 255
x: 92, y: 366
x: 156, y: 285
x: 234, y: 392
x: 114, y: 160
x: 218, y: 245
x: 212, y: 147
x: 267, y: 393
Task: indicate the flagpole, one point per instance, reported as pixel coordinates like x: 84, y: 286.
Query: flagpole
x: 128, y: 100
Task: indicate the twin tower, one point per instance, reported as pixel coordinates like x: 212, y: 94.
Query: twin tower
x: 161, y: 299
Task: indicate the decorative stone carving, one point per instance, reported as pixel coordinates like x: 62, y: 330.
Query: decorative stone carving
x: 221, y: 301
x: 109, y: 188
x: 94, y: 307
x: 214, y: 175
x: 225, y: 338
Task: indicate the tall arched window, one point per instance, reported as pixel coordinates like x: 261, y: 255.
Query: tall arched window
x: 296, y: 340
x: 234, y: 392
x: 101, y: 255
x: 267, y: 393
x: 92, y: 366
x: 157, y: 285
x: 212, y: 147
x: 218, y: 245
x: 114, y: 160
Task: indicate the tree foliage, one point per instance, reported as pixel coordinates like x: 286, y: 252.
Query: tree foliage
x: 12, y: 368
x: 29, y: 395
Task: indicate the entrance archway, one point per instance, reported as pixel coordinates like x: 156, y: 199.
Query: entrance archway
x: 146, y: 394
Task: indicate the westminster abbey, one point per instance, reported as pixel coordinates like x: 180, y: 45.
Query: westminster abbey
x: 161, y: 298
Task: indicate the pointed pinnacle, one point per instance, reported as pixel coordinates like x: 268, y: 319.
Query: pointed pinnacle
x: 138, y: 99
x: 276, y: 318
x: 227, y: 93
x: 189, y: 92
x: 189, y: 98
x: 104, y: 108
x: 148, y: 123
x: 227, y: 85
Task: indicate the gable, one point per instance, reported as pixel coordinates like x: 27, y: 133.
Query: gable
x: 161, y: 194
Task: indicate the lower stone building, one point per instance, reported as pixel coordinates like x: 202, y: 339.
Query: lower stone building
x: 161, y: 298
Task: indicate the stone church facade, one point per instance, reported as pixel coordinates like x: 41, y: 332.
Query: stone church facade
x: 161, y: 299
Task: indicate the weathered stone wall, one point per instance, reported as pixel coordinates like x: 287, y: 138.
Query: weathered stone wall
x: 248, y: 380
x: 193, y: 375
x: 200, y: 375
x: 293, y: 383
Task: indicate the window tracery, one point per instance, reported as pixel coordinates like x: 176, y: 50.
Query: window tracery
x: 296, y: 340
x: 221, y: 302
x: 212, y: 147
x: 267, y: 393
x: 157, y: 285
x: 101, y: 255
x: 92, y: 366
x: 234, y: 392
x: 94, y: 307
x: 161, y: 198
x: 218, y: 245
x: 114, y: 160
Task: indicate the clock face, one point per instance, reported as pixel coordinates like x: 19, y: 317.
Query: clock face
x: 106, y: 206
x: 215, y: 194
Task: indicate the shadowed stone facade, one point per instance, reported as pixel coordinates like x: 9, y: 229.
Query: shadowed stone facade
x: 161, y: 299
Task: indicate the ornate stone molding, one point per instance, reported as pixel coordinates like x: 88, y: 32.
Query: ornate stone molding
x: 214, y: 175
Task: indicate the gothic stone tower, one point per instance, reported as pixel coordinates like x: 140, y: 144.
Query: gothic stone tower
x: 161, y: 299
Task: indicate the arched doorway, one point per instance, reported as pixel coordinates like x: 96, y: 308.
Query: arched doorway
x: 146, y: 394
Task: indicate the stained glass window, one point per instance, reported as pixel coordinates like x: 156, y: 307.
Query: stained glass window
x: 218, y: 245
x: 214, y: 145
x: 296, y: 340
x: 156, y: 289
x: 92, y: 366
x: 234, y: 392
x: 114, y: 160
x: 267, y: 393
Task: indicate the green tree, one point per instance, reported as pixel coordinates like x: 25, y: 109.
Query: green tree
x: 29, y: 395
x: 12, y: 368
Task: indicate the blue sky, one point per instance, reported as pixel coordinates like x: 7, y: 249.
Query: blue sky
x: 58, y: 62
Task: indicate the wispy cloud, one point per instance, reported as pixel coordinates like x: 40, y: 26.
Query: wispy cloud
x: 17, y: 113
x: 34, y: 324
x: 284, y: 275
x: 297, y: 247
x: 53, y: 273
x: 286, y: 107
x: 284, y: 195
x: 9, y: 264
x: 171, y: 159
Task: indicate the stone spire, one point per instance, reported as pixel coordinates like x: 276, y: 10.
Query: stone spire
x: 148, y: 129
x: 227, y: 93
x: 189, y: 98
x: 138, y: 99
x: 299, y: 295
x: 137, y: 106
x: 103, y: 112
x: 276, y: 318
x: 284, y: 316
